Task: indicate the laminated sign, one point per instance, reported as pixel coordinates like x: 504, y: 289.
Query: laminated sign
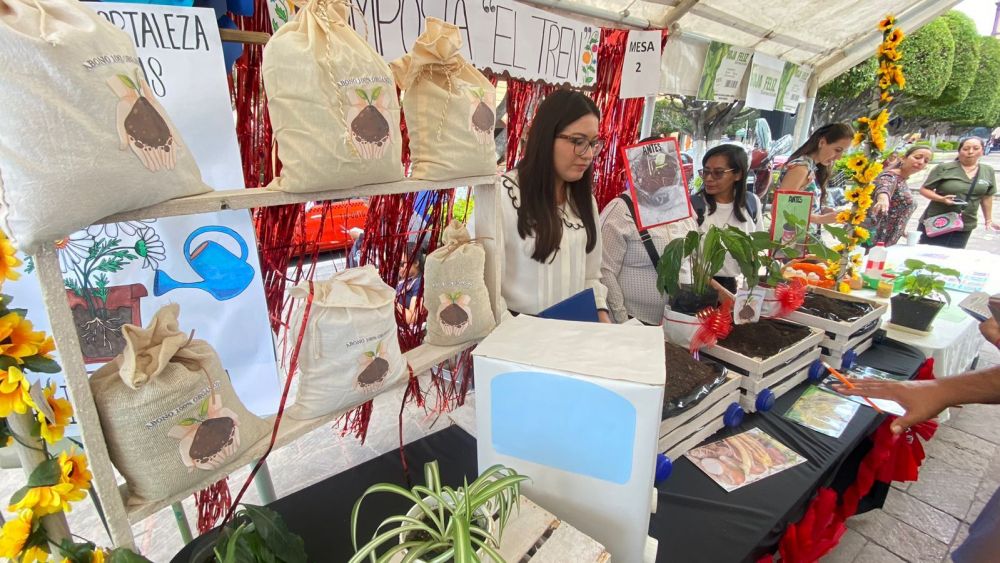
x: 722, y: 76
x: 641, y: 70
x: 577, y: 407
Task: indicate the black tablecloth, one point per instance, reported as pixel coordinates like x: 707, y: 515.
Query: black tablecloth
x: 696, y: 520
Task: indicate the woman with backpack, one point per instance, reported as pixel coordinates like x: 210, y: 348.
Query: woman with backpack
x: 725, y: 202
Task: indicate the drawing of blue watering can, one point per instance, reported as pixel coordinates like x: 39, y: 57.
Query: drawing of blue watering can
x: 224, y: 275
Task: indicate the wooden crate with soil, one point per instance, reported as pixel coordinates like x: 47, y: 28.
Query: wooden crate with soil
x: 849, y: 322
x: 772, y: 355
x: 689, y: 416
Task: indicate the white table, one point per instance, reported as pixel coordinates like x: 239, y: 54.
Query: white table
x: 954, y: 340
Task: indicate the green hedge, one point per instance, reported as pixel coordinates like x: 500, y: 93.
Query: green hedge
x: 946, y: 145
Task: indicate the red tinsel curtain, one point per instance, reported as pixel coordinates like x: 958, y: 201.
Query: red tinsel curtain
x: 620, y: 119
x: 522, y: 99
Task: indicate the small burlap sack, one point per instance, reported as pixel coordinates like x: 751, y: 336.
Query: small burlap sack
x: 169, y: 412
x: 449, y: 107
x: 455, y: 294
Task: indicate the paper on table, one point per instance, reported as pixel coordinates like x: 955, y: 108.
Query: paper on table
x: 982, y: 306
x: 822, y: 411
x: 864, y: 372
x: 743, y: 459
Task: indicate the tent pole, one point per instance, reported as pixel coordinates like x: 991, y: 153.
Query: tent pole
x: 621, y: 18
x: 804, y: 119
x: 647, y: 117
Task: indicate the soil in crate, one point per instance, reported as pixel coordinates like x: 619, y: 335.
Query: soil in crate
x: 764, y: 338
x: 101, y: 338
x: 837, y: 310
x: 688, y: 380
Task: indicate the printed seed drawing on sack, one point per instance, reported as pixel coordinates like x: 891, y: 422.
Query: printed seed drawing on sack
x: 369, y: 122
x: 482, y: 118
x: 455, y: 314
x: 208, y: 439
x: 374, y: 368
x: 141, y: 124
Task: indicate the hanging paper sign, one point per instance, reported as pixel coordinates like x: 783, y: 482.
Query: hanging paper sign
x: 280, y: 12
x: 656, y: 182
x: 765, y: 78
x: 123, y: 273
x: 681, y: 64
x: 799, y: 206
x: 641, y: 69
x: 723, y: 73
x: 792, y: 89
x: 499, y: 35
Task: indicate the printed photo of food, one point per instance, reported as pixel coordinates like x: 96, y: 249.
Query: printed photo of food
x: 743, y: 459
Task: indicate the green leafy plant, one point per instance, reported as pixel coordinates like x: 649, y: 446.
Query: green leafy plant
x: 256, y: 534
x: 922, y: 280
x: 444, y: 524
x: 706, y: 254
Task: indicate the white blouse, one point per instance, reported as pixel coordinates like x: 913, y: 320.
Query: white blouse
x: 526, y: 285
x: 725, y: 216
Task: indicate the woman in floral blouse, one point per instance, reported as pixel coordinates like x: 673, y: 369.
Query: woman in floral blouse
x: 893, y: 202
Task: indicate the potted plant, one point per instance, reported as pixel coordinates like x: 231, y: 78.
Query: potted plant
x: 706, y: 254
x: 915, y: 307
x: 256, y: 534
x: 444, y: 524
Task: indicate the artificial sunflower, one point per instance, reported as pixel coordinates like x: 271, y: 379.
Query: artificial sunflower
x: 74, y: 471
x: 884, y: 83
x: 858, y: 139
x: 865, y: 202
x: 14, y: 535
x: 886, y: 23
x: 899, y: 78
x: 878, y: 140
x: 861, y: 233
x: 49, y: 499
x: 853, y: 195
x: 832, y: 269
x: 881, y: 120
x: 97, y: 556
x: 858, y: 217
x: 839, y: 248
x: 18, y: 339
x: 885, y: 97
x: 895, y: 37
x: 14, y: 392
x: 46, y: 348
x: 8, y: 260
x: 35, y: 554
x: 844, y: 287
x: 871, y: 172
x: 857, y: 163
x: 843, y: 216
x: 856, y: 260
x: 52, y: 430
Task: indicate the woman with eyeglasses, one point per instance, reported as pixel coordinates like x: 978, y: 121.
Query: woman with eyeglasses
x: 630, y: 256
x: 725, y: 202
x: 963, y: 186
x: 545, y: 217
x: 808, y: 168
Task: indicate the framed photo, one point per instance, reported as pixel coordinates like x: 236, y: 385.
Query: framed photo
x: 798, y: 205
x: 657, y: 183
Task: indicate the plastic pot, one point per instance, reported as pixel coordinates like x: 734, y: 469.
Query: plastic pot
x: 688, y: 302
x: 916, y: 313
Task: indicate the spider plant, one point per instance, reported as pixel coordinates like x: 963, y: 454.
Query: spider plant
x: 444, y: 524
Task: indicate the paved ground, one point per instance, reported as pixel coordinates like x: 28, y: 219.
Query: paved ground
x: 921, y: 522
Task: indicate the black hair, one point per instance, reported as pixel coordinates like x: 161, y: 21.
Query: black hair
x: 962, y: 141
x: 537, y: 213
x: 736, y: 157
x: 831, y: 133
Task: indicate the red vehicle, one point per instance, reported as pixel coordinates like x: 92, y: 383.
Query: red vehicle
x: 331, y: 232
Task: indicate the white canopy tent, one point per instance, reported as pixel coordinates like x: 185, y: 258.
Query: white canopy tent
x: 829, y: 35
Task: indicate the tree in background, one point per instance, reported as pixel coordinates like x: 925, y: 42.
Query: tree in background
x: 702, y: 120
x: 838, y: 100
x: 928, y: 56
x: 966, y: 61
x: 981, y: 105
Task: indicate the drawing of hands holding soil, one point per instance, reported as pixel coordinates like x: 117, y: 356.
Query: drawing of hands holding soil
x: 141, y: 123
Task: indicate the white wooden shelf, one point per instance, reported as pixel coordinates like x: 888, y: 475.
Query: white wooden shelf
x: 222, y: 200
x: 421, y: 359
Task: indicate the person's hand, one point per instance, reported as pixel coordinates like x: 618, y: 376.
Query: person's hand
x: 991, y: 330
x: 947, y: 200
x: 825, y: 217
x: 604, y: 317
x: 881, y: 206
x: 991, y: 226
x: 923, y: 400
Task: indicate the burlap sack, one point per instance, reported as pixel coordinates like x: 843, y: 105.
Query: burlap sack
x: 350, y: 351
x: 82, y: 136
x: 169, y: 412
x: 332, y: 102
x: 449, y: 107
x: 455, y: 294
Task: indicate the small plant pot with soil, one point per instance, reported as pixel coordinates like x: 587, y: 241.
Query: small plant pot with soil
x: 916, y: 313
x: 687, y: 302
x: 99, y: 321
x: 772, y: 355
x: 697, y: 396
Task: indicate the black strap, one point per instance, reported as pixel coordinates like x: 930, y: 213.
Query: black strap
x: 644, y: 235
x: 972, y: 185
x: 698, y: 204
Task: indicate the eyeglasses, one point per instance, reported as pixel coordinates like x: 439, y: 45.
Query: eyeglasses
x: 715, y: 173
x: 581, y: 144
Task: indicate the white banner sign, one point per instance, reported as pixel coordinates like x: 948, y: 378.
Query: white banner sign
x: 500, y: 35
x: 792, y: 90
x: 765, y: 78
x: 723, y: 73
x: 123, y: 273
x: 641, y: 69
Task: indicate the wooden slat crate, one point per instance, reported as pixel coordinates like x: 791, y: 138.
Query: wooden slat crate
x: 680, y: 433
x: 842, y: 336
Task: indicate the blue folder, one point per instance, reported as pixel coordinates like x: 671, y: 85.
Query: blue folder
x: 581, y: 307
